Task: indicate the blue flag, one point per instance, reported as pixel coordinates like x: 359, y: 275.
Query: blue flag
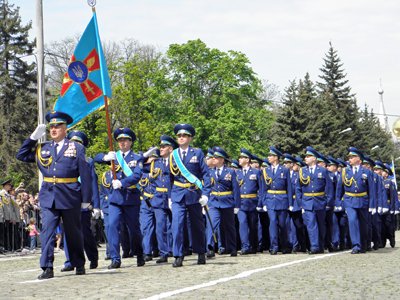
x: 86, y: 82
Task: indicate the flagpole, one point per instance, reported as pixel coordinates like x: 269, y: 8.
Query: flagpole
x: 92, y: 3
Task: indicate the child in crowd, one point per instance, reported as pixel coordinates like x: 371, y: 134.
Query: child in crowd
x: 33, y: 232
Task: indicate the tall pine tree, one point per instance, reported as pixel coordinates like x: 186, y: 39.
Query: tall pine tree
x: 18, y: 109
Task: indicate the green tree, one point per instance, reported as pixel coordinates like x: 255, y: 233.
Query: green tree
x: 18, y: 109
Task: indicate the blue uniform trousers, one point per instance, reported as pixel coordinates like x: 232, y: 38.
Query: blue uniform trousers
x: 89, y: 242
x: 299, y: 229
x: 163, y: 230
x: 315, y: 222
x: 377, y: 230
x: 130, y: 215
x: 358, y: 225
x: 328, y: 229
x: 248, y: 229
x: 147, y: 222
x: 106, y: 227
x: 72, y: 228
x: 223, y: 220
x: 263, y: 231
x: 388, y: 227
x: 278, y: 229
x: 195, y: 224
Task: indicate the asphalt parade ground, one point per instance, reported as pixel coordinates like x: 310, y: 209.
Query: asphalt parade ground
x: 339, y: 275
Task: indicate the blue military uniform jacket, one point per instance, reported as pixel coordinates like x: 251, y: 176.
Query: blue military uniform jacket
x: 251, y: 186
x: 296, y: 203
x: 357, y: 190
x: 225, y: 191
x: 161, y: 184
x: 194, y: 162
x: 104, y: 192
x: 392, y: 202
x: 380, y: 192
x: 277, y: 188
x: 129, y: 194
x: 315, y: 190
x: 332, y: 201
x: 95, y: 186
x: 69, y: 163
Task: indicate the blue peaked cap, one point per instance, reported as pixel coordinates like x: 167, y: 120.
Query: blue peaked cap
x: 79, y: 137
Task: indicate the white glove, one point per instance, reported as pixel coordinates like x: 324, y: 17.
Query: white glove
x: 96, y: 213
x: 328, y: 207
x: 290, y: 208
x: 385, y: 210
x: 116, y: 184
x: 265, y: 208
x: 203, y: 200
x: 379, y: 210
x: 102, y: 214
x: 303, y: 211
x: 39, y: 132
x: 373, y: 211
x: 339, y: 208
x: 170, y: 203
x: 85, y: 205
x: 392, y: 212
x: 259, y: 208
x: 235, y: 210
x: 150, y: 152
x: 203, y: 211
x: 396, y: 212
x: 110, y: 156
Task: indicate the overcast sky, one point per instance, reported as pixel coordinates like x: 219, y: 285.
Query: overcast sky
x: 283, y: 39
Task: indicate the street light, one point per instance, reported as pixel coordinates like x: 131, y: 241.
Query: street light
x: 346, y: 130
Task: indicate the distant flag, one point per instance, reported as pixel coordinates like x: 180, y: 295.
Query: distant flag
x: 86, y: 82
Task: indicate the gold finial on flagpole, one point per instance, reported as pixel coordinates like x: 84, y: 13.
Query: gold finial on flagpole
x: 92, y: 4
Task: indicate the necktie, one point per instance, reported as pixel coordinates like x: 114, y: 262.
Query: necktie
x: 355, y: 170
x: 123, y: 155
x: 164, y: 162
x: 273, y: 171
x: 311, y: 171
x: 183, y: 155
x: 218, y: 172
x: 245, y: 172
x: 56, y: 148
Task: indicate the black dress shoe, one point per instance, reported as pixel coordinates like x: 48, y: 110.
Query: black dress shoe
x: 67, y: 269
x: 201, y: 259
x: 47, y: 274
x: 156, y: 253
x: 80, y: 270
x: 392, y: 242
x: 273, y: 252
x: 93, y: 264
x: 148, y: 257
x: 375, y: 247
x: 355, y: 251
x: 178, y: 262
x: 286, y: 251
x: 162, y: 259
x: 312, y: 252
x: 114, y: 265
x: 234, y: 253
x: 210, y: 254
x: 170, y: 254
x: 221, y: 251
x: 244, y: 252
x: 125, y: 255
x: 140, y: 261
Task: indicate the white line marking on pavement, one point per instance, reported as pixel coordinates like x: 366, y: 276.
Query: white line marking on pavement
x: 38, y: 269
x: 238, y: 276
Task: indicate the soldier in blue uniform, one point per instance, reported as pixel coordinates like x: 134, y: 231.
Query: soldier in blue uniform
x: 381, y: 197
x: 315, y: 189
x: 89, y: 242
x: 392, y: 203
x: 124, y: 197
x: 224, y: 198
x: 250, y: 183
x: 190, y: 190
x: 104, y: 192
x: 61, y: 162
x: 356, y: 186
x: 278, y: 191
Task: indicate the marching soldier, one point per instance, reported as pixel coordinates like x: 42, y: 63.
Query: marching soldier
x: 356, y: 186
x: 124, y: 197
x: 381, y: 198
x: 315, y: 189
x: 278, y: 191
x: 250, y: 182
x: 61, y: 162
x: 89, y: 242
x: 224, y: 198
x: 104, y: 192
x: 188, y: 193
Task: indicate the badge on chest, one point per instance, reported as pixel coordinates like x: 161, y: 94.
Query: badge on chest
x: 253, y: 177
x: 71, y: 150
x: 194, y: 159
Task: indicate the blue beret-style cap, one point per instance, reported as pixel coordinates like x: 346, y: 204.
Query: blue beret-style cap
x: 300, y: 161
x: 255, y: 158
x: 167, y: 140
x: 125, y: 133
x: 210, y: 152
x: 311, y: 151
x: 353, y: 151
x: 368, y: 160
x: 78, y: 136
x: 219, y: 152
x: 341, y: 162
x: 379, y: 165
x: 332, y: 161
x: 322, y: 158
x: 265, y: 162
x: 274, y: 151
x: 245, y: 153
x: 388, y: 169
x: 185, y: 129
x: 288, y: 158
x: 58, y: 117
x: 235, y: 164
